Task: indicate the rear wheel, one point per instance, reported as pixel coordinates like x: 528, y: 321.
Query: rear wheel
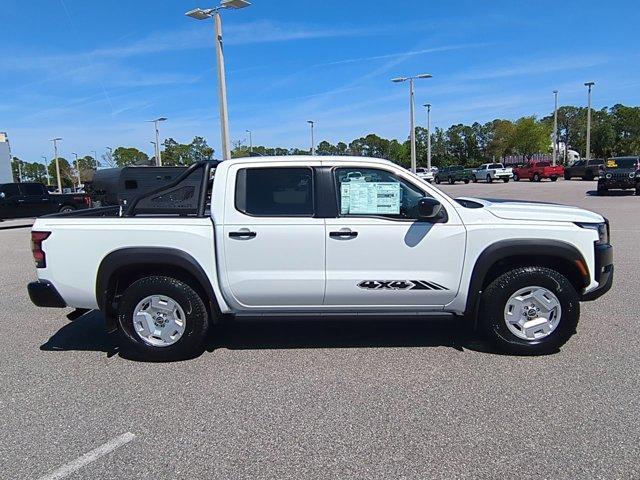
x: 567, y: 176
x: 162, y: 318
x: 475, y: 179
x: 553, y: 179
x: 536, y: 177
x: 451, y: 180
x: 516, y: 177
x: 529, y: 311
x: 66, y: 209
x: 466, y: 180
x: 505, y: 180
x: 637, y: 188
x: 437, y: 180
x: 489, y: 179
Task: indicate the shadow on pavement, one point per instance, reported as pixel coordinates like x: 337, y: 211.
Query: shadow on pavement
x: 612, y: 193
x: 88, y: 333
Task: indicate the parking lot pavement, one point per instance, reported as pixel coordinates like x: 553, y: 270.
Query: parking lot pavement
x: 16, y: 223
x: 318, y: 399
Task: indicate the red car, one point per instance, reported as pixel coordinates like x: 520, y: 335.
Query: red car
x: 537, y: 170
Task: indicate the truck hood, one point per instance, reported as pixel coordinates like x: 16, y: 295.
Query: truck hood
x: 522, y: 210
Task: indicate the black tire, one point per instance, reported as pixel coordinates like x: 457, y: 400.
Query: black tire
x: 638, y: 189
x: 67, y: 209
x: 553, y: 179
x: 489, y: 179
x: 505, y: 180
x: 516, y: 177
x: 496, y: 295
x: 451, y: 181
x: 466, y: 180
x: 475, y: 179
x: 437, y: 180
x: 196, y: 319
x: 567, y: 176
x: 536, y: 177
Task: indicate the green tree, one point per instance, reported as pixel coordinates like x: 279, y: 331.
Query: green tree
x: 125, y: 156
x: 185, y: 154
x: 67, y: 175
x: 500, y: 134
x: 530, y: 136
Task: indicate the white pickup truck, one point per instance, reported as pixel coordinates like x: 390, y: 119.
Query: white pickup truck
x: 300, y: 235
x: 492, y: 171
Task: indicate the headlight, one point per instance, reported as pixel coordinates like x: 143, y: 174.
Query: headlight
x: 601, y: 228
x: 632, y: 175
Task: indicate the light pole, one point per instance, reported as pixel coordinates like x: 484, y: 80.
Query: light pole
x: 55, y: 155
x: 203, y: 14
x: 77, y: 169
x: 428, y: 105
x: 412, y: 119
x: 157, y: 142
x: 589, y: 85
x: 250, y: 142
x: 19, y: 162
x: 46, y: 167
x: 313, y: 142
x: 555, y: 129
x: 110, y: 156
x: 95, y: 158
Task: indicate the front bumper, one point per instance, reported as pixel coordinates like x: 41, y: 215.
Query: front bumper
x: 44, y: 294
x: 603, y: 272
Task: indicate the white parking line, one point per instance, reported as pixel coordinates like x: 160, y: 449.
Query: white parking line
x: 89, y: 457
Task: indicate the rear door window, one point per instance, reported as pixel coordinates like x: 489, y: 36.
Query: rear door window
x: 275, y: 192
x: 32, y: 189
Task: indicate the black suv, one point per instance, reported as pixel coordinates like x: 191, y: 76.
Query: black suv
x: 585, y: 169
x: 621, y: 173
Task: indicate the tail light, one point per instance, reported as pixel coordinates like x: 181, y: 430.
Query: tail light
x: 87, y: 201
x: 36, y: 248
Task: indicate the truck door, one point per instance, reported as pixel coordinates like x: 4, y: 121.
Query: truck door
x: 9, y: 196
x: 274, y: 255
x: 379, y: 254
x: 34, y: 200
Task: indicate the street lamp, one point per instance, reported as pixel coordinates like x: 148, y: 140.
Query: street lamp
x: 77, y: 169
x: 204, y: 14
x: 110, y: 156
x: 313, y: 143
x: 250, y: 142
x: 555, y: 128
x: 412, y: 120
x: 46, y: 166
x: 589, y: 85
x: 157, y: 142
x: 55, y: 155
x: 428, y: 106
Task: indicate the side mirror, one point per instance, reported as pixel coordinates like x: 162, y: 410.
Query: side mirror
x: 428, y: 208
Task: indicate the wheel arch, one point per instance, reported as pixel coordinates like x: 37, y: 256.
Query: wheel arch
x: 122, y: 267
x: 505, y: 255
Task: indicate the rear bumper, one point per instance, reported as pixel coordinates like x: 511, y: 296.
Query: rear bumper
x: 603, y: 272
x: 44, y: 294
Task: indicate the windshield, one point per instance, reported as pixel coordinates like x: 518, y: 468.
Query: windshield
x: 630, y: 162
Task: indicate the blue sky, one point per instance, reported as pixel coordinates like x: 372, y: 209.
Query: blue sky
x: 93, y: 72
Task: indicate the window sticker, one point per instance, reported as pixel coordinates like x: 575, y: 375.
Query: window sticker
x: 612, y: 164
x: 370, y: 198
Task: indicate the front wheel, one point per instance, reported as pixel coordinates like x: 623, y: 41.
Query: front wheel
x: 451, y: 181
x: 567, y: 176
x: 162, y: 318
x: 466, y: 180
x: 475, y: 179
x: 505, y: 180
x: 516, y: 177
x: 529, y: 311
x: 437, y: 180
x: 553, y: 179
x: 489, y: 179
x: 66, y: 209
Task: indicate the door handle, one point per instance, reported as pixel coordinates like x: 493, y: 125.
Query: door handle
x: 343, y: 234
x: 242, y: 234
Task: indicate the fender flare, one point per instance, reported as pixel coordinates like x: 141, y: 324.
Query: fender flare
x: 517, y: 248
x: 150, y: 256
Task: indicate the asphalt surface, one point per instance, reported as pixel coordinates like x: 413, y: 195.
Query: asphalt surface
x: 318, y: 399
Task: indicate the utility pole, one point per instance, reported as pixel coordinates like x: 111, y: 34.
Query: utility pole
x: 250, y: 142
x: 95, y: 158
x: 412, y: 120
x: 46, y: 168
x: 77, y: 169
x: 55, y: 154
x: 555, y: 129
x: 589, y: 85
x: 313, y: 143
x: 428, y: 105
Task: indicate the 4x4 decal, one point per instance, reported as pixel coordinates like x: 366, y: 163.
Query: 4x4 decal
x: 400, y: 285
